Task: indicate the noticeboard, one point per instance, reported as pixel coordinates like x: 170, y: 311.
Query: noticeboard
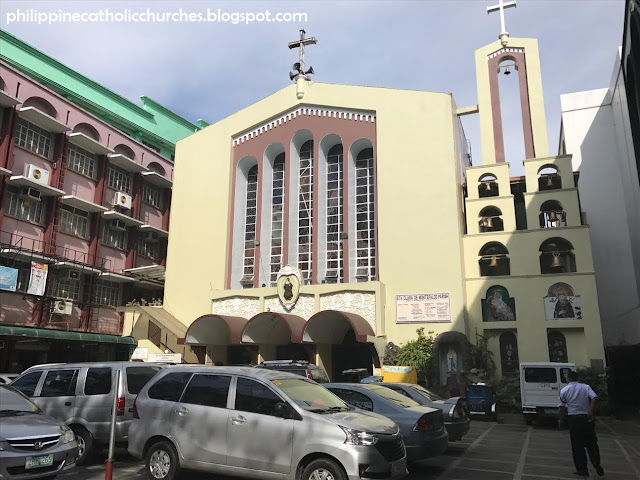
x: 423, y: 308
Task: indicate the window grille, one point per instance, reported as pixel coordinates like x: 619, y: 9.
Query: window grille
x: 74, y: 221
x: 151, y: 195
x: 66, y: 288
x: 24, y: 208
x: 114, y: 238
x: 107, y: 293
x: 33, y: 138
x: 81, y: 161
x: 149, y: 249
x: 119, y: 179
x: 250, y: 227
x: 365, y: 217
x: 334, y: 217
x: 305, y: 210
x: 277, y: 212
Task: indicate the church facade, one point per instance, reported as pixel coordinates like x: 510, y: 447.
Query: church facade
x: 325, y: 221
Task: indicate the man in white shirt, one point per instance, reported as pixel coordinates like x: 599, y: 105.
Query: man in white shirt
x: 577, y: 401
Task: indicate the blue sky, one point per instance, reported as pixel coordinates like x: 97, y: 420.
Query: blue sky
x: 210, y: 70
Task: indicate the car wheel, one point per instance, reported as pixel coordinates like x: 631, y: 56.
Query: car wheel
x: 323, y: 469
x: 85, y: 445
x: 162, y: 462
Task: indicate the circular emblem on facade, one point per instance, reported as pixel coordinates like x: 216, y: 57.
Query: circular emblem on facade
x: 288, y: 283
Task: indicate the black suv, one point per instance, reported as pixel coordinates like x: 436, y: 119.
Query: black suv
x: 299, y: 367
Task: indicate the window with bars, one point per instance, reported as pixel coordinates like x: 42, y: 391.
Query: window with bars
x: 65, y: 287
x: 107, y: 293
x: 334, y: 219
x: 81, y: 161
x: 149, y: 249
x: 151, y: 195
x: 365, y: 217
x: 119, y: 179
x: 74, y: 221
x: 251, y: 211
x: 277, y: 211
x: 32, y: 137
x: 305, y: 210
x: 114, y: 238
x: 24, y: 208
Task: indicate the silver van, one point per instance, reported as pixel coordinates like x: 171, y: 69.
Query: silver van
x: 80, y: 394
x: 258, y: 423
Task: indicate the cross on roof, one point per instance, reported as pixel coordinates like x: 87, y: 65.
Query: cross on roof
x: 501, y: 7
x: 299, y: 67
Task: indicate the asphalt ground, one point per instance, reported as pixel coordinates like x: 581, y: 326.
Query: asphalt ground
x: 509, y: 450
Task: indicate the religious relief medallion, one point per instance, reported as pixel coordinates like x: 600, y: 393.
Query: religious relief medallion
x: 288, y: 283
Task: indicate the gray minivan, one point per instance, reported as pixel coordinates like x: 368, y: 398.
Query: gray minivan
x: 258, y: 423
x: 80, y: 394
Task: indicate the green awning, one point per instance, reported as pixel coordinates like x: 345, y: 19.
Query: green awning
x: 64, y: 335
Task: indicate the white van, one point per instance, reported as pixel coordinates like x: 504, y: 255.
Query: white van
x: 540, y: 385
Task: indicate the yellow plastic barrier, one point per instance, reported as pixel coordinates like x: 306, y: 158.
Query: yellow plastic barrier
x: 399, y: 374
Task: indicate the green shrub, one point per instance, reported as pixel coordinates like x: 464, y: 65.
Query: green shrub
x: 418, y: 354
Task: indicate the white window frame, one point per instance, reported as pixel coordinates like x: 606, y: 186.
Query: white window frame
x: 277, y: 211
x: 23, y: 208
x: 114, y: 238
x: 364, y: 259
x: 81, y: 161
x: 74, y: 221
x: 33, y: 138
x: 149, y: 249
x: 107, y: 293
x: 152, y: 195
x: 119, y: 179
x: 251, y: 210
x: 65, y: 287
x: 305, y: 204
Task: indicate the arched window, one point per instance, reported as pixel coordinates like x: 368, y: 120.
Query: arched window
x: 335, y: 215
x: 305, y: 210
x: 556, y: 256
x: 365, y: 216
x: 42, y: 105
x: 488, y: 186
x: 156, y: 167
x: 509, y: 353
x: 557, y: 347
x: 125, y: 150
x: 89, y: 130
x: 552, y: 215
x: 494, y: 260
x: 251, y: 211
x: 277, y: 211
x: 491, y: 220
x: 549, y: 178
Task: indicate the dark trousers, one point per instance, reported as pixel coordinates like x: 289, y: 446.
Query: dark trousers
x: 583, y: 435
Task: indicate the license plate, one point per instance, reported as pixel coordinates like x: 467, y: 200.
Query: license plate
x: 38, y: 462
x: 397, y: 468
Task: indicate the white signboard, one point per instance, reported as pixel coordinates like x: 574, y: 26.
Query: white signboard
x: 423, y: 308
x: 165, y: 357
x: 140, y: 353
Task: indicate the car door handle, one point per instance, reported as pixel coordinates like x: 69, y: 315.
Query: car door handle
x: 182, y: 411
x: 67, y: 404
x: 238, y: 420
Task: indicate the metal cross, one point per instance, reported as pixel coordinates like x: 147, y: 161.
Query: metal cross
x: 501, y: 7
x: 301, y: 44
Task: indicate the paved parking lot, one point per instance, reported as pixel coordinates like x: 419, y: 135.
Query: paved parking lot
x: 509, y: 450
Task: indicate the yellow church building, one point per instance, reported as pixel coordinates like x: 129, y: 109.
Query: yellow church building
x: 325, y: 221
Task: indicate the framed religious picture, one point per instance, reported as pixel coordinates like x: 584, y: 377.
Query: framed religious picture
x: 561, y: 303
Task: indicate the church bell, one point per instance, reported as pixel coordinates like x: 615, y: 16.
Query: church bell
x: 488, y: 222
x: 556, y: 260
x: 549, y: 181
x: 494, y: 261
x: 553, y: 217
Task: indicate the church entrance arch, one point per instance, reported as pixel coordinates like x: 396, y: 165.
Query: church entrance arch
x: 343, y: 341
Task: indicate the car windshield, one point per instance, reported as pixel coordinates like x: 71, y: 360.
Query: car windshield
x: 392, y: 395
x: 310, y: 396
x: 428, y: 394
x: 12, y: 403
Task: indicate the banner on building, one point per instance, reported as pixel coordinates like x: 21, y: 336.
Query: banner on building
x: 423, y: 308
x: 38, y: 278
x: 8, y: 278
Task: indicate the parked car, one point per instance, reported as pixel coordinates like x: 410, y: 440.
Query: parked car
x: 299, y: 367
x: 32, y: 445
x: 7, y: 378
x: 540, y: 385
x: 454, y: 409
x: 422, y: 427
x: 258, y: 423
x: 482, y: 401
x: 81, y: 395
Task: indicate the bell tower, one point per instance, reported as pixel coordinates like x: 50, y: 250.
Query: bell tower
x: 523, y: 55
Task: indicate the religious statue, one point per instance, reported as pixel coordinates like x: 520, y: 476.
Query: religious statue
x: 452, y: 360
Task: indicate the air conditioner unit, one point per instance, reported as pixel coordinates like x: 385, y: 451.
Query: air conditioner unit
x: 118, y: 225
x: 72, y: 274
x: 151, y: 237
x: 121, y: 199
x: 36, y: 173
x: 31, y: 193
x: 62, y: 307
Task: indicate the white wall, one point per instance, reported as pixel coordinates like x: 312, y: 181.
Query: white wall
x: 596, y: 131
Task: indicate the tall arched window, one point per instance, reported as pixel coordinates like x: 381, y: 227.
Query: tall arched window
x: 305, y: 209
x: 277, y: 211
x: 509, y: 353
x: 365, y: 216
x: 557, y: 347
x: 251, y: 211
x: 335, y: 215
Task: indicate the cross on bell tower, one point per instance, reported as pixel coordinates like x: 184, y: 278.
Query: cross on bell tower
x: 300, y: 75
x: 501, y: 7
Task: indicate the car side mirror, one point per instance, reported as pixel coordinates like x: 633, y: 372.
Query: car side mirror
x: 284, y: 410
